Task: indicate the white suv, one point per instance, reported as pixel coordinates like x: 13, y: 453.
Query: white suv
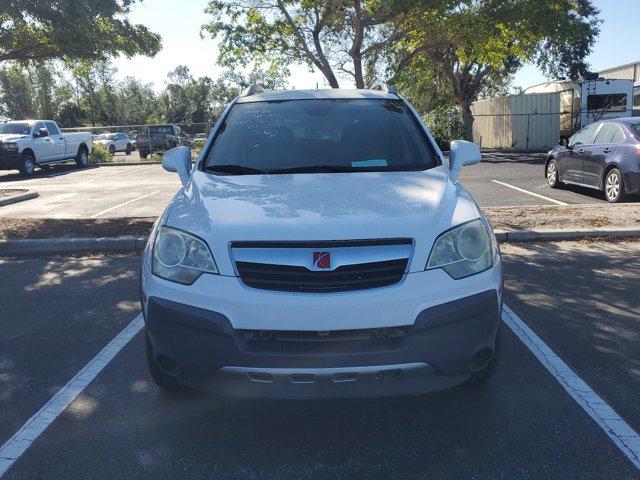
x: 321, y: 247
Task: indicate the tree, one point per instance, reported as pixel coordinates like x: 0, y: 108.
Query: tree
x: 138, y: 101
x: 71, y: 29
x: 186, y: 99
x: 348, y: 36
x: 15, y: 86
x: 475, y: 45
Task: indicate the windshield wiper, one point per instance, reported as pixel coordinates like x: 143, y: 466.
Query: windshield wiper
x: 235, y: 169
x: 316, y: 169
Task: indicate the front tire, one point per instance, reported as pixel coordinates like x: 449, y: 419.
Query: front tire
x: 82, y: 158
x: 614, y: 186
x: 553, y: 177
x: 128, y: 149
x: 27, y: 164
x: 144, y: 154
x: 112, y: 150
x: 161, y: 379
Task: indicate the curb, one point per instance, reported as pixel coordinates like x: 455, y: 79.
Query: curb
x: 70, y: 245
x: 576, y: 234
x: 54, y: 246
x: 18, y: 198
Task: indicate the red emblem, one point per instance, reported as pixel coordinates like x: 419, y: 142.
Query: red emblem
x: 322, y: 260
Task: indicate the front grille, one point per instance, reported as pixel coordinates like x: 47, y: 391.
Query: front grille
x: 346, y: 278
x: 335, y: 342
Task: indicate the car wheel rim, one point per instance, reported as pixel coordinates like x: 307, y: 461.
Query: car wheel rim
x: 29, y: 165
x: 613, y: 186
x: 84, y: 159
x: 551, y: 173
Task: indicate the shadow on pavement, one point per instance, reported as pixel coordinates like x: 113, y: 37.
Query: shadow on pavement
x: 61, y: 169
x: 582, y: 299
x: 55, y: 315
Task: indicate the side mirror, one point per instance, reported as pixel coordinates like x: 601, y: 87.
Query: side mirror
x: 462, y: 153
x: 178, y: 160
x: 563, y: 142
x: 42, y: 132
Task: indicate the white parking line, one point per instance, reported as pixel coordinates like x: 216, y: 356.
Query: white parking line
x: 38, y: 423
x: 619, y: 431
x: 124, y: 203
x: 136, y: 170
x: 557, y: 202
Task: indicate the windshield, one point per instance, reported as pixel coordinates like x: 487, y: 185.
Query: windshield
x: 325, y: 135
x: 106, y: 136
x: 168, y: 129
x: 15, y: 128
x: 636, y: 130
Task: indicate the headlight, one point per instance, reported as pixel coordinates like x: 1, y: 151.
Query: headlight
x: 462, y: 251
x: 9, y: 147
x: 181, y: 257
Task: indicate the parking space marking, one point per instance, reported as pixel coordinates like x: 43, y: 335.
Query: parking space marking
x: 38, y: 423
x: 137, y: 170
x: 557, y: 202
x: 73, y: 170
x: 124, y: 203
x: 619, y: 431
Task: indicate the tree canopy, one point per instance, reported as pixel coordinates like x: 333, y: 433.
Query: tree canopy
x: 475, y: 45
x: 88, y: 94
x: 452, y: 50
x: 338, y: 37
x: 71, y: 29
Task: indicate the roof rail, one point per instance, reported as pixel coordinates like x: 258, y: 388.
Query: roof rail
x: 251, y: 90
x: 384, y: 86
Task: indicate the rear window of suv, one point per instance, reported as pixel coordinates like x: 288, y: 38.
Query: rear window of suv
x: 325, y: 135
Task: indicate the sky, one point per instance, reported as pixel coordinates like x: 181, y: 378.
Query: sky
x: 178, y: 23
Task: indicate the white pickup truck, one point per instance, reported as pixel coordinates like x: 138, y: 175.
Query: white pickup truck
x: 26, y: 144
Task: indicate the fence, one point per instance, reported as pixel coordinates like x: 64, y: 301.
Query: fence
x: 188, y: 128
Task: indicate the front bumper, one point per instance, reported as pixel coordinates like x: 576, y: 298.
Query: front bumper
x: 438, y: 350
x: 9, y: 160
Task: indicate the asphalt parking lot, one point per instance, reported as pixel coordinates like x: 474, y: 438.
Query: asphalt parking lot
x: 144, y: 190
x: 521, y: 424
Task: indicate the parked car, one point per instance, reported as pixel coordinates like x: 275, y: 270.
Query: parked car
x: 115, y: 142
x: 133, y: 135
x: 160, y: 138
x: 201, y: 136
x: 25, y: 144
x: 321, y: 246
x: 604, y: 155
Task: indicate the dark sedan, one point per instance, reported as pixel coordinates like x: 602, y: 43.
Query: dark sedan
x: 604, y: 155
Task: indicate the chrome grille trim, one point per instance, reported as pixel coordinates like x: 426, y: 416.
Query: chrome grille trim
x: 355, y: 265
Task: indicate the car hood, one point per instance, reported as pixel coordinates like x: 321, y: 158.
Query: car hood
x: 318, y: 207
x: 11, y: 137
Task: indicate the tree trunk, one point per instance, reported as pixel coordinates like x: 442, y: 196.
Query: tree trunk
x: 467, y: 120
x: 330, y: 76
x: 357, y: 70
x: 356, y: 47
